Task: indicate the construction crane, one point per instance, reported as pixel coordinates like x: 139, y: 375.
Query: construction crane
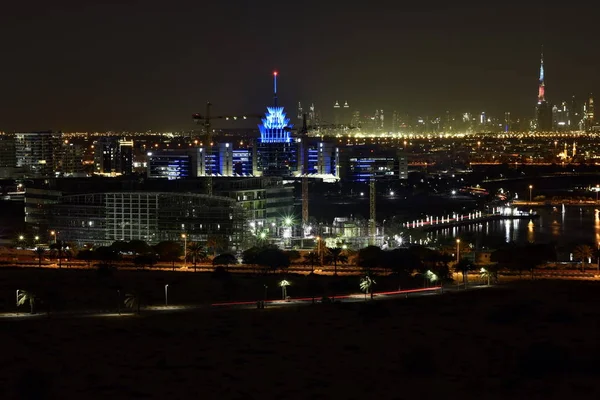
x: 206, y: 121
x: 372, y: 212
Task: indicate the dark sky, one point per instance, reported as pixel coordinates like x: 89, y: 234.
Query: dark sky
x: 138, y: 65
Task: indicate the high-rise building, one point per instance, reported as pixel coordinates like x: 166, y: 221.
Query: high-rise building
x: 355, y: 121
x: 336, y: 113
x: 71, y: 159
x: 8, y: 160
x: 507, y: 122
x: 543, y: 110
x: 276, y: 151
x: 346, y: 114
x: 113, y: 156
x: 36, y: 152
x: 589, y: 113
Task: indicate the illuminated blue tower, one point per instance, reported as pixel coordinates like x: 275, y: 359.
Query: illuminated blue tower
x: 276, y: 151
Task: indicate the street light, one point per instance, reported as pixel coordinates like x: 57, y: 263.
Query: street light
x: 166, y: 294
x: 54, y: 235
x: 457, y: 250
x: 17, y: 301
x: 284, y: 284
x: 37, y: 238
x: 530, y: 191
x: 184, y: 236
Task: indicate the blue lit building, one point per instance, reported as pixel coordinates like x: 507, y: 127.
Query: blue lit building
x: 362, y: 163
x: 221, y: 160
x: 276, y: 152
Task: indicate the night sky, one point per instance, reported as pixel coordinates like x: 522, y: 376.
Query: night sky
x: 139, y: 65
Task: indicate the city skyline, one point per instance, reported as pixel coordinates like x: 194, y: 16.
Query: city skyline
x: 152, y: 68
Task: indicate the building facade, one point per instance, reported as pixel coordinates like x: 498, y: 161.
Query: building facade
x: 36, y: 152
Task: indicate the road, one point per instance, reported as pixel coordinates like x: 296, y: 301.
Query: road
x: 351, y: 298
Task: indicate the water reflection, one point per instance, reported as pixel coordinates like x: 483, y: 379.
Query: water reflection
x: 575, y: 225
x: 530, y: 232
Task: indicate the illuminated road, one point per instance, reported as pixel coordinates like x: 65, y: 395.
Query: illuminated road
x: 149, y: 310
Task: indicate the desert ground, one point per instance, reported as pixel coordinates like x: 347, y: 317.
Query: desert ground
x: 521, y: 340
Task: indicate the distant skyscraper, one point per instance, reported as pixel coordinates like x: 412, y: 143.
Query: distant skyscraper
x: 346, y: 114
x: 507, y: 121
x: 543, y: 111
x: 355, y: 121
x: 336, y: 113
x: 589, y: 113
x: 300, y: 112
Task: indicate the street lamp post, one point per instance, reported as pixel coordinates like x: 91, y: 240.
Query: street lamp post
x: 17, y: 303
x: 118, y: 301
x: 166, y: 294
x: 457, y: 250
x: 54, y: 235
x: 530, y: 192
x: 184, y: 236
x: 597, y: 189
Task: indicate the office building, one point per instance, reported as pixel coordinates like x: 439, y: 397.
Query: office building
x: 36, y: 153
x: 101, y: 210
x: 275, y: 150
x: 113, y: 156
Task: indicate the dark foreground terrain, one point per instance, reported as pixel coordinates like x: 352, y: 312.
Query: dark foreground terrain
x: 526, y: 340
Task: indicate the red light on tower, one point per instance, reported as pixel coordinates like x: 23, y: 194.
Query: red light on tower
x: 274, y: 73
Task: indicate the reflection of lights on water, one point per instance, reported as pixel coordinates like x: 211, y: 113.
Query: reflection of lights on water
x: 530, y: 232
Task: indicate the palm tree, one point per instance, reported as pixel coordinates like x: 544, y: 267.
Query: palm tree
x: 197, y: 252
x: 581, y: 253
x: 59, y: 246
x: 132, y: 300
x: 39, y: 252
x: 485, y: 273
x: 335, y: 256
x: 311, y: 259
x: 464, y: 266
x: 25, y: 296
x: 366, y: 285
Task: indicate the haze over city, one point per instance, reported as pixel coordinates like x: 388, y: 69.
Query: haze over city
x: 299, y: 200
x: 146, y: 65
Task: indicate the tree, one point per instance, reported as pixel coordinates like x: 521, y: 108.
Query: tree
x: 293, y: 255
x: 59, y: 247
x: 225, y: 259
x: 582, y: 253
x: 169, y: 251
x: 86, y: 255
x: 39, y: 252
x: 334, y: 256
x: 524, y: 257
x: 106, y: 255
x: 215, y: 244
x: 250, y: 256
x: 196, y: 251
x: 312, y: 259
x: 138, y: 247
x: 464, y: 265
x: 133, y: 301
x: 148, y: 259
x: 366, y: 285
x: 25, y: 297
x: 273, y: 258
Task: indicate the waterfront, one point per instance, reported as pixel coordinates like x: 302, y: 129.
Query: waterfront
x: 576, y: 226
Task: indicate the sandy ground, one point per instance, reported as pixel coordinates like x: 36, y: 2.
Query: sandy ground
x: 526, y: 340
